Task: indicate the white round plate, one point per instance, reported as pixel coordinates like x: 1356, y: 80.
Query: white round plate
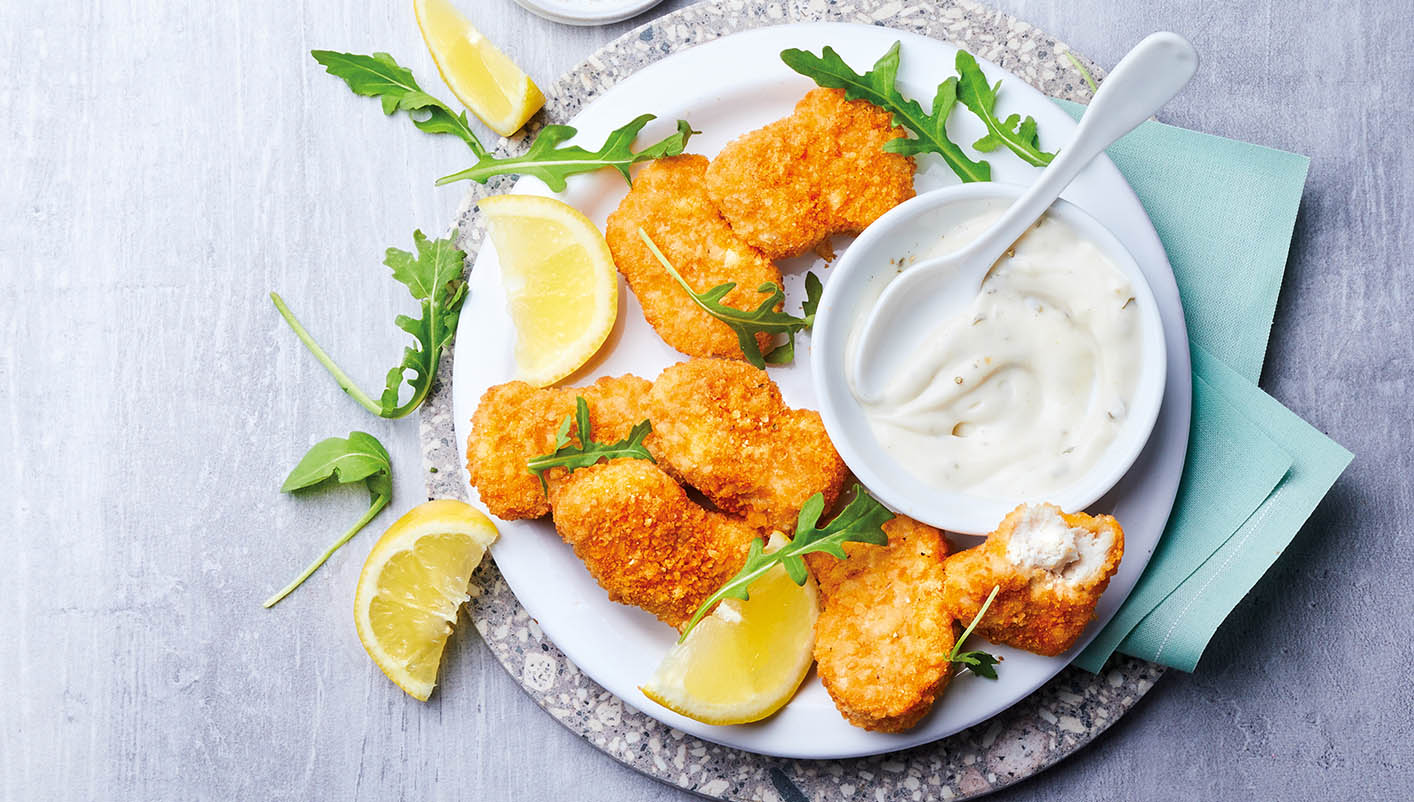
x: 587, y: 12
x: 725, y: 88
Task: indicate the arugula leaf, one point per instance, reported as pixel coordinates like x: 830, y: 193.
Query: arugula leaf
x: 861, y: 521
x: 784, y: 353
x: 434, y: 277
x: 552, y: 164
x: 354, y: 459
x: 380, y: 76
x: 587, y: 452
x: 746, y: 323
x: 877, y: 87
x: 1084, y: 73
x: 1017, y: 134
x: 359, y: 458
x: 980, y: 663
x: 813, y: 290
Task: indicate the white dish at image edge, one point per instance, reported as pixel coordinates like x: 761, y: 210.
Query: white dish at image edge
x: 587, y: 12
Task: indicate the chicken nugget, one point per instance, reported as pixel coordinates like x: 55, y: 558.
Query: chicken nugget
x: 720, y: 426
x: 669, y: 202
x: 822, y: 170
x: 515, y: 422
x: 644, y: 540
x: 1051, y: 568
x: 883, y: 636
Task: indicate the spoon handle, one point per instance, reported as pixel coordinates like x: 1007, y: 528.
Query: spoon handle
x: 1143, y: 81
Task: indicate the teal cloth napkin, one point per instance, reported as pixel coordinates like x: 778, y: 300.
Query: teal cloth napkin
x: 1178, y: 629
x: 1255, y: 471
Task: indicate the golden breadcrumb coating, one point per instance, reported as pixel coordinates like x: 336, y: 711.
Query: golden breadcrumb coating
x: 883, y: 636
x: 820, y: 171
x: 669, y: 201
x: 644, y: 540
x: 720, y: 426
x: 1039, y: 609
x: 515, y: 422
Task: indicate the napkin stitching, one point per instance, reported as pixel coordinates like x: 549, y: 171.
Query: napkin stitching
x: 1266, y: 510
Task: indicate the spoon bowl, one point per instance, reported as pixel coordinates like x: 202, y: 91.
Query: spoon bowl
x: 867, y: 267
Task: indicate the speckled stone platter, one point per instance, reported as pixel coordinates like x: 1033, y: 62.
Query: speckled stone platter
x: 1058, y: 719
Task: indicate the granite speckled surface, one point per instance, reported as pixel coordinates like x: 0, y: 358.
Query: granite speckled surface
x: 1066, y: 713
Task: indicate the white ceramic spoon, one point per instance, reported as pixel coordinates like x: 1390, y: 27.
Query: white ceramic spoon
x: 912, y: 304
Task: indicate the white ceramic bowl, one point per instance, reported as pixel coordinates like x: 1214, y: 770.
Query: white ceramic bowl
x: 587, y: 12
x: 911, y: 228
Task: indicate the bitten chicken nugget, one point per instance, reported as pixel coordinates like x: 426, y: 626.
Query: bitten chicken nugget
x: 644, y: 540
x: 1051, y: 567
x: 883, y: 636
x: 515, y: 422
x: 669, y: 201
x: 720, y: 426
x: 820, y: 171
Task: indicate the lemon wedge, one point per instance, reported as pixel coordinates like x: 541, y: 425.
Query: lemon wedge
x: 744, y: 661
x: 560, y: 282
x: 483, y: 78
x: 411, y: 586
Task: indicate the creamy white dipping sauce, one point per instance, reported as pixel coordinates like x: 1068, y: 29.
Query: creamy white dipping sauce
x: 1020, y: 395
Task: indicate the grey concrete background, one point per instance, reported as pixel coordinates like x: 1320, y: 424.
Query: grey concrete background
x: 165, y: 165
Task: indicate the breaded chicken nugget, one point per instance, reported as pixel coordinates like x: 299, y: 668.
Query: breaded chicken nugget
x: 644, y: 540
x: 822, y: 170
x: 515, y: 422
x: 669, y: 201
x: 883, y: 636
x: 1051, y: 568
x: 721, y: 426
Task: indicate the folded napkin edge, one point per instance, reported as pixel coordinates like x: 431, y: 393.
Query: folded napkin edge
x: 1076, y: 109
